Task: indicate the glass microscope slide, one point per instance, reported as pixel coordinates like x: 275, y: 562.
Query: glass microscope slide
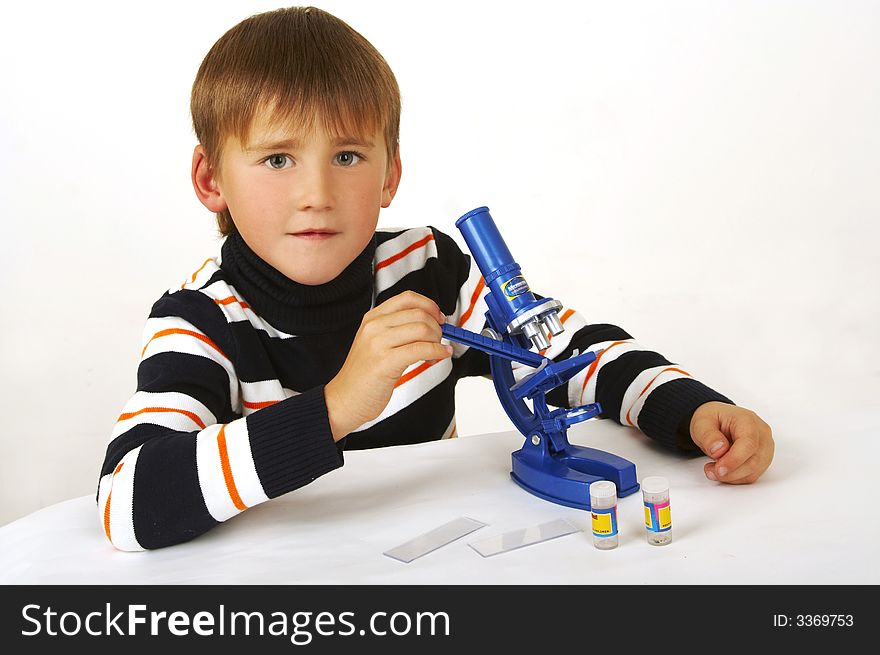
x: 433, y: 539
x: 525, y: 537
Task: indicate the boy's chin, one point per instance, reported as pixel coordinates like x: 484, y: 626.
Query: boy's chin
x: 311, y: 277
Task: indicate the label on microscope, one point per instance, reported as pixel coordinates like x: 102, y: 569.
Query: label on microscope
x: 605, y: 522
x: 515, y: 286
x: 658, y: 517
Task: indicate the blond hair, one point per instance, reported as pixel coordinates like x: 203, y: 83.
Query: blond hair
x: 300, y: 64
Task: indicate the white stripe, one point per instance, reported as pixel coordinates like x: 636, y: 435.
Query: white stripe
x: 170, y: 420
x: 412, y: 389
x: 633, y: 401
x: 210, y: 472
x: 241, y: 461
x: 203, y: 276
x: 451, y: 430
x: 389, y: 275
x: 183, y: 343
x: 477, y: 318
x: 103, y: 490
x: 265, y: 391
x: 121, y: 499
x: 611, y: 353
x: 235, y: 313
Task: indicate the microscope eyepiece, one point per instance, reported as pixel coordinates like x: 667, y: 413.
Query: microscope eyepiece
x: 510, y: 299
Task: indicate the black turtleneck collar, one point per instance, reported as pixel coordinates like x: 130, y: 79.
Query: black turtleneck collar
x: 300, y: 308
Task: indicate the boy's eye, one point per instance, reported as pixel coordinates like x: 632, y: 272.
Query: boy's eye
x: 347, y: 158
x: 277, y: 162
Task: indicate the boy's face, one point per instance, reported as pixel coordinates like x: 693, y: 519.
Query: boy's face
x: 307, y: 204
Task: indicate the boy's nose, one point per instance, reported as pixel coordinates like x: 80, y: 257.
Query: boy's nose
x: 314, y: 190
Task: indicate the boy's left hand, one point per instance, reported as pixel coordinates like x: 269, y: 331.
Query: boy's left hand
x: 737, y: 439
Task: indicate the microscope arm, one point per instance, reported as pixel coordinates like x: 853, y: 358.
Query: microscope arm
x: 548, y: 375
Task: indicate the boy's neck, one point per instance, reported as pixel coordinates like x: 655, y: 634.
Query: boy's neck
x: 299, y: 308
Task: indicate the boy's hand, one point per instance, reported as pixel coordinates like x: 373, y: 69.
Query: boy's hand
x: 401, y: 331
x: 736, y: 438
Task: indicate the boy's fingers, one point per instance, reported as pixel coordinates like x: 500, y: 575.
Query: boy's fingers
x: 409, y: 300
x: 421, y: 351
x: 409, y: 333
x: 744, y: 446
x: 709, y: 471
x: 709, y: 438
x: 750, y: 471
x: 405, y: 316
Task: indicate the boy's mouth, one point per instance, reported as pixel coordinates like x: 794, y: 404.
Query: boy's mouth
x: 315, y: 234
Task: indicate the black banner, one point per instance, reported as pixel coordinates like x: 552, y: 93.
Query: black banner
x: 288, y: 619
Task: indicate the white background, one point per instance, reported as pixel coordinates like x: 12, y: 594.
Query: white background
x: 703, y: 174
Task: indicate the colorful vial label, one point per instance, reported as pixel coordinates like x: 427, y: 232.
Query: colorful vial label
x: 605, y: 522
x: 658, y: 517
x: 515, y: 286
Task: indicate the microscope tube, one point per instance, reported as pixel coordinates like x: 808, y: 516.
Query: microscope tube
x: 658, y: 518
x: 603, y: 506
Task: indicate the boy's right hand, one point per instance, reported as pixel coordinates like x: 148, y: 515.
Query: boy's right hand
x: 401, y: 331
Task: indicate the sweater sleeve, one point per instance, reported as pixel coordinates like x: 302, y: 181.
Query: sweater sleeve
x: 635, y: 386
x: 182, y: 457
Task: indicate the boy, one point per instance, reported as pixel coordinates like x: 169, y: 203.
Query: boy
x: 313, y: 332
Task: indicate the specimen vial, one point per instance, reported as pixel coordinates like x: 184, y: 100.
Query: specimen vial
x: 603, y: 506
x: 658, y: 519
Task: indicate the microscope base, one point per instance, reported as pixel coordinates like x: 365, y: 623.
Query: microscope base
x: 564, y: 478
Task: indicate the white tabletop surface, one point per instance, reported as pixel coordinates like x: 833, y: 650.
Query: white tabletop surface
x: 812, y: 518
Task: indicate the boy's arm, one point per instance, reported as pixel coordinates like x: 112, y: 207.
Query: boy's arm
x: 635, y: 386
x: 181, y: 458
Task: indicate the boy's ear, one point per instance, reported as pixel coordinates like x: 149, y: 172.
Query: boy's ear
x: 392, y: 180
x: 205, y: 181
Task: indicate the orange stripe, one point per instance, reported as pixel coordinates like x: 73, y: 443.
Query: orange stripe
x: 107, y: 505
x: 200, y: 337
x: 196, y: 273
x: 421, y: 368
x: 259, y: 405
x: 475, y: 296
x: 677, y: 370
x: 593, y: 367
x: 191, y: 415
x: 107, y: 518
x: 227, y: 471
x: 403, y: 253
x: 230, y: 300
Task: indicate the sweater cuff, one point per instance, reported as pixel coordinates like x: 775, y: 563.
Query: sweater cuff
x: 668, y: 410
x: 291, y: 442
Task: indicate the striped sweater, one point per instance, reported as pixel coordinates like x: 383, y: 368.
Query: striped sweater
x: 229, y: 409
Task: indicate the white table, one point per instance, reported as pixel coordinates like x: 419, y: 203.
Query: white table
x: 812, y: 518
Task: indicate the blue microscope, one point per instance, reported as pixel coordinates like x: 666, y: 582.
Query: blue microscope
x: 547, y: 465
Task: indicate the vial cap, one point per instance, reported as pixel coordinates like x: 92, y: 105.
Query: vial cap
x: 655, y: 484
x: 603, y: 489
